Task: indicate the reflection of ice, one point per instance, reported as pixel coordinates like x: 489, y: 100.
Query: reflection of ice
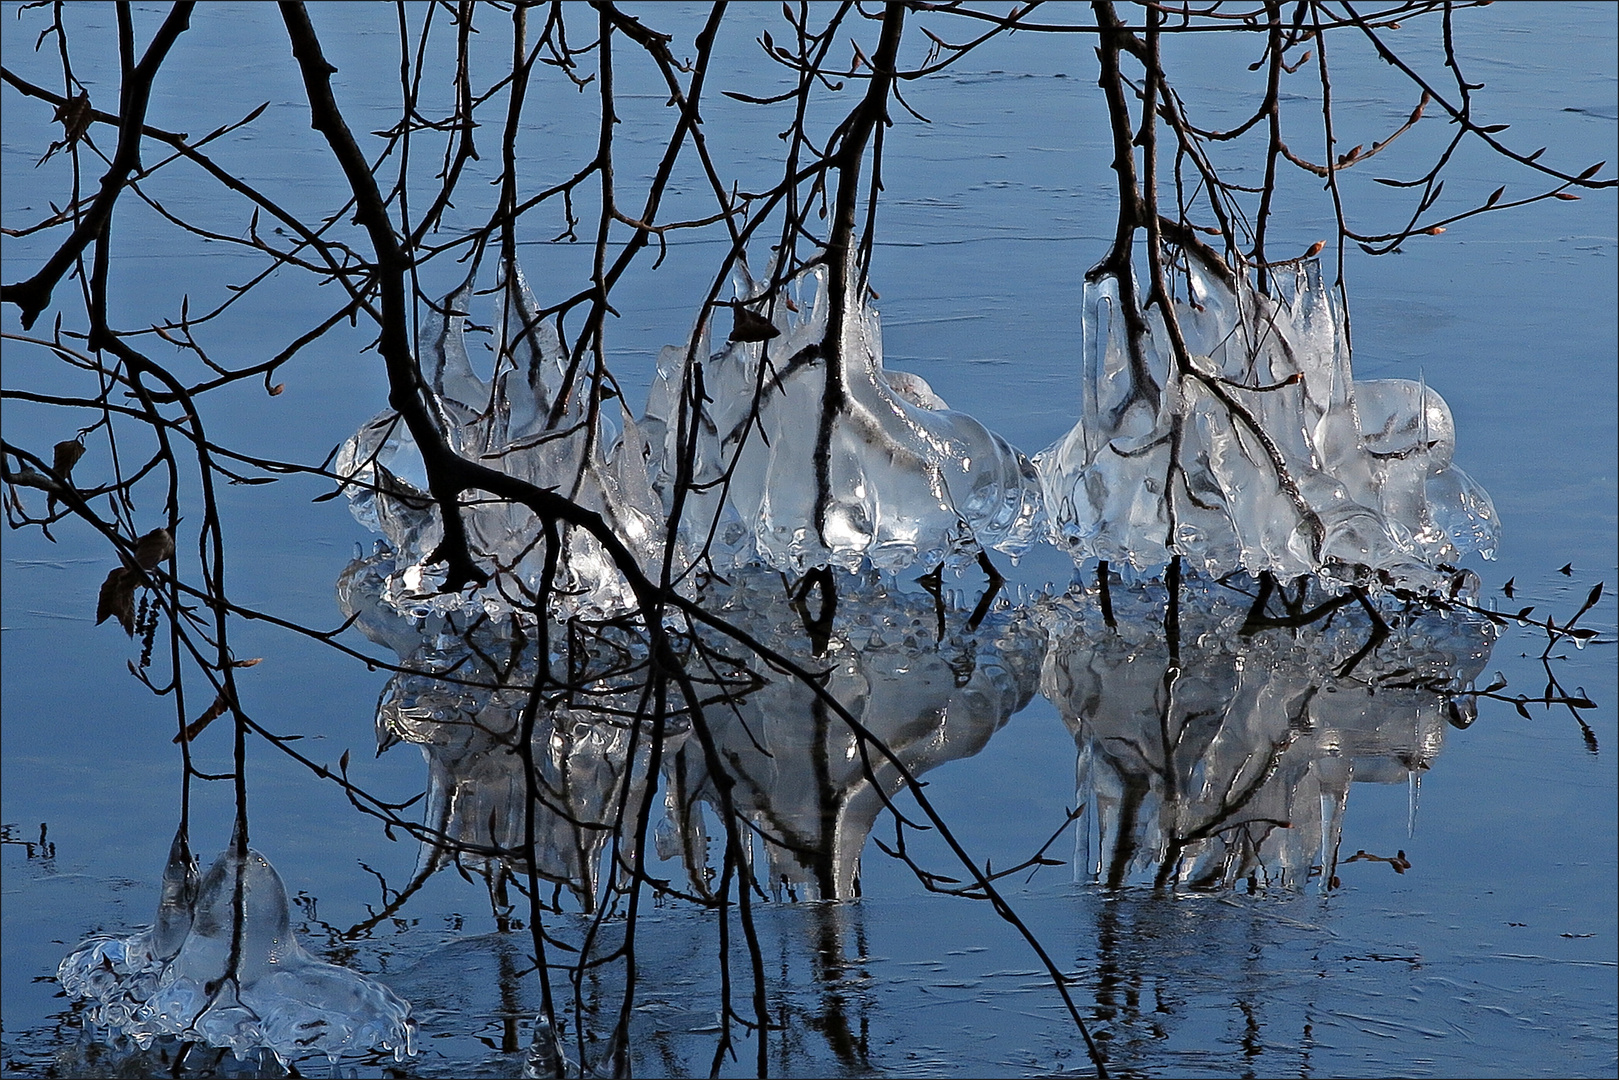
x: 910, y: 480
x: 1233, y: 759
x: 803, y: 782
x: 467, y: 719
x: 222, y: 967
x: 1371, y: 490
x: 590, y: 454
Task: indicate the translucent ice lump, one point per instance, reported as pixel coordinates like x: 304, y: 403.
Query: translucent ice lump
x: 910, y: 481
x: 1353, y: 480
x: 221, y: 966
x: 592, y: 454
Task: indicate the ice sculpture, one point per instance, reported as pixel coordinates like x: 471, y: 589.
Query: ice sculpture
x: 804, y: 784
x: 909, y: 481
x: 535, y: 419
x: 1230, y: 758
x: 221, y: 966
x: 1267, y: 455
x: 467, y: 719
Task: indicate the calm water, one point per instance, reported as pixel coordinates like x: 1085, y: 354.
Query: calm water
x: 1494, y: 954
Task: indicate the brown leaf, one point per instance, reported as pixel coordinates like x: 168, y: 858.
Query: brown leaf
x: 75, y: 116
x: 247, y: 663
x: 275, y: 391
x: 118, y: 598
x: 153, y: 548
x: 1315, y: 249
x: 750, y: 326
x: 64, y: 456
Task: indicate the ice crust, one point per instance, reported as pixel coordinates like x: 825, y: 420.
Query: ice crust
x: 1377, y: 497
x: 912, y: 482
x: 178, y: 978
x: 595, y: 456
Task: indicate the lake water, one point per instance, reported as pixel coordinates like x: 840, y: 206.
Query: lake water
x: 1493, y: 952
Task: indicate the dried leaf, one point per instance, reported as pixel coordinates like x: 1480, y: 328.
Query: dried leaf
x: 118, y: 598
x: 153, y: 548
x: 275, y: 391
x: 751, y: 326
x: 1315, y: 249
x: 247, y: 663
x: 64, y: 456
x: 74, y: 115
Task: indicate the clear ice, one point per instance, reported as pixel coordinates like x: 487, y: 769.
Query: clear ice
x: 221, y: 966
x: 1367, y: 491
x: 912, y: 482
x: 1268, y: 456
x: 592, y: 453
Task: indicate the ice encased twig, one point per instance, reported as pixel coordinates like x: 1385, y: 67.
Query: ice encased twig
x: 1268, y: 456
x: 593, y: 455
x: 222, y: 967
x: 910, y: 481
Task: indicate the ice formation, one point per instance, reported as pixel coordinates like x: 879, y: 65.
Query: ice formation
x: 586, y: 452
x: 1352, y: 480
x: 911, y: 482
x: 1231, y: 759
x: 221, y: 966
x: 1261, y: 453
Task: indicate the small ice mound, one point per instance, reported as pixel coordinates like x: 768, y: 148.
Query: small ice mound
x: 119, y: 975
x: 1282, y: 461
x: 537, y: 419
x: 908, y: 481
x: 239, y: 980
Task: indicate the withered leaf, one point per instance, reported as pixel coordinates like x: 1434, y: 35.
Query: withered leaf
x: 153, y: 548
x: 74, y: 114
x: 118, y: 598
x: 64, y: 456
x: 750, y: 326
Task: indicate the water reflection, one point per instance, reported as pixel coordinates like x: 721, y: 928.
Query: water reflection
x: 805, y: 787
x: 1224, y: 757
x: 1214, y: 750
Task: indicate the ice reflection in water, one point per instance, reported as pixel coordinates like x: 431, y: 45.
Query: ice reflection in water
x: 220, y: 966
x: 1208, y: 758
x: 807, y: 792
x: 1228, y: 758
